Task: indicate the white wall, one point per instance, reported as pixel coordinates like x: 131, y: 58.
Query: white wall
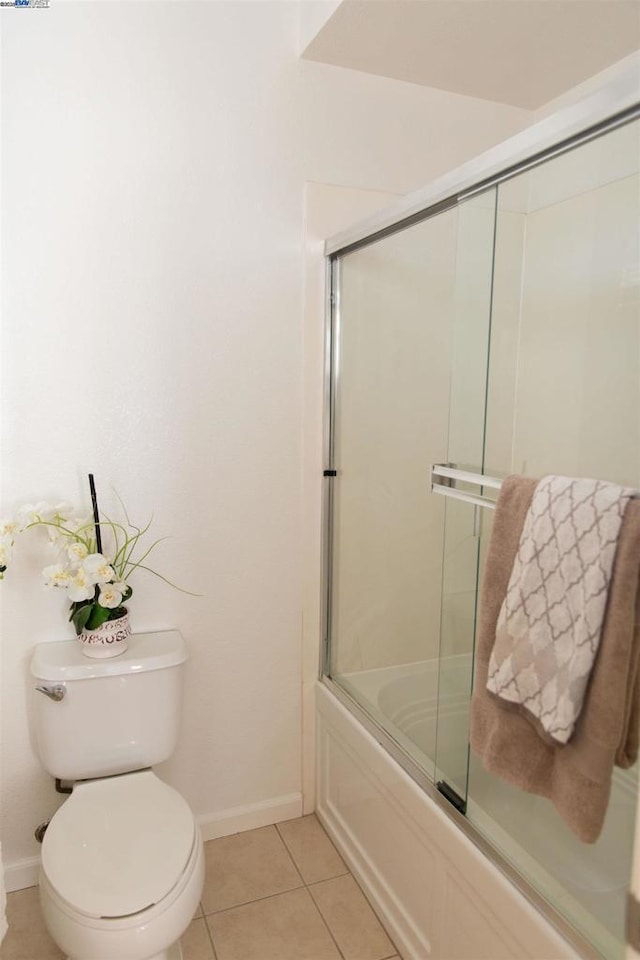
x: 154, y: 157
x: 591, y: 86
x: 313, y: 16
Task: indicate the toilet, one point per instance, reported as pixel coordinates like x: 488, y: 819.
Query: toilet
x: 122, y: 866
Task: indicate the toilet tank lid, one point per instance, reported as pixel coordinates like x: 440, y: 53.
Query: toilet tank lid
x: 64, y: 659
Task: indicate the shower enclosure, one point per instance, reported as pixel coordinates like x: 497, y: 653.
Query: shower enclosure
x: 495, y: 332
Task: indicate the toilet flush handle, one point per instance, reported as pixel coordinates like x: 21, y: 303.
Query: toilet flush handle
x: 54, y: 693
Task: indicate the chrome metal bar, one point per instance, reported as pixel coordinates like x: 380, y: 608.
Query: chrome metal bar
x: 464, y: 476
x: 586, y: 136
x: 331, y: 383
x: 444, y: 476
x: 454, y: 494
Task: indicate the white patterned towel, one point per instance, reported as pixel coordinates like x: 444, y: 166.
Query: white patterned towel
x: 551, y: 619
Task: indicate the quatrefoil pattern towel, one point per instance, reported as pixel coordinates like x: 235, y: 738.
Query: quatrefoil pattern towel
x: 550, y: 623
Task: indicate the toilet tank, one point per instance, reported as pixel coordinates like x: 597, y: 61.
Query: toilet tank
x: 114, y: 715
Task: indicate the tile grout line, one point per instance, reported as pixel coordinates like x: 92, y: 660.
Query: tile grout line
x: 315, y: 883
x: 268, y: 896
x: 246, y: 903
x: 309, y: 894
x: 328, y: 838
x: 206, y: 927
x: 208, y: 932
x: 336, y: 876
x: 273, y: 897
x: 347, y: 873
x: 210, y: 936
x: 327, y: 927
x: 388, y: 956
x: 288, y: 852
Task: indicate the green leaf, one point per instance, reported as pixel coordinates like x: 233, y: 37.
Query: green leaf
x: 127, y: 594
x: 98, y: 616
x: 81, y: 616
x: 77, y: 605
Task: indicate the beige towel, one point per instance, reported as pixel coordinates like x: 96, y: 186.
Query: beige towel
x: 575, y: 776
x: 3, y: 902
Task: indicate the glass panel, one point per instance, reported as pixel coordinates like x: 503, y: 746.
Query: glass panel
x: 549, y: 278
x: 476, y: 223
x: 564, y: 397
x: 395, y: 320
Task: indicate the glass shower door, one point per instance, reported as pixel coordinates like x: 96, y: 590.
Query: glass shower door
x: 463, y: 520
x: 391, y: 347
x: 564, y: 398
x: 499, y: 336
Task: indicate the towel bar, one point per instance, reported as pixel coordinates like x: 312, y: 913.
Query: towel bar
x: 445, y: 475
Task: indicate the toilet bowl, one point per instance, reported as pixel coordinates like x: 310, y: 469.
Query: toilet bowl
x: 122, y: 870
x: 122, y: 859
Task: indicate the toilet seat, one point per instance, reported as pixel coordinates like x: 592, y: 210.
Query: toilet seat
x: 119, y: 845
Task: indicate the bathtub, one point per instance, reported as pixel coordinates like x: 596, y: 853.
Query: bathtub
x: 431, y: 872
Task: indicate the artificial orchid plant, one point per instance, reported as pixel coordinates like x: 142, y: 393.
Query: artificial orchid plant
x: 96, y: 582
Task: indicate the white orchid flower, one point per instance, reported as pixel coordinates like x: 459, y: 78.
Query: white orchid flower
x: 98, y: 568
x: 109, y: 597
x: 56, y: 576
x: 56, y: 534
x: 5, y: 552
x: 8, y: 529
x: 81, y: 585
x: 61, y: 511
x: 77, y: 551
x: 57, y: 515
x: 33, y: 513
x: 120, y: 586
x: 43, y: 512
x: 77, y: 523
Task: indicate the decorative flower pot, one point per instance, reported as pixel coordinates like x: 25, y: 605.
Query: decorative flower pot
x: 109, y: 640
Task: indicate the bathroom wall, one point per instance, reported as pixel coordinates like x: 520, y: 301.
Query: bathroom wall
x: 313, y: 16
x: 589, y: 87
x: 154, y: 160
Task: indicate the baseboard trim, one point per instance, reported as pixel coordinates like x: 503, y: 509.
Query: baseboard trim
x: 21, y: 874
x: 250, y: 816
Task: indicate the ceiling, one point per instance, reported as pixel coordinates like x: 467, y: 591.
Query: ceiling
x: 519, y: 52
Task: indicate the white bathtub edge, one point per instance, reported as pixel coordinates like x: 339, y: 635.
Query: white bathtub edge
x: 462, y: 904
x: 407, y: 938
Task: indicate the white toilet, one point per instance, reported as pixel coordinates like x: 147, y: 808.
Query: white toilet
x: 122, y: 860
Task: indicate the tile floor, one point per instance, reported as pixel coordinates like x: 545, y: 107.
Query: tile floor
x: 276, y: 893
